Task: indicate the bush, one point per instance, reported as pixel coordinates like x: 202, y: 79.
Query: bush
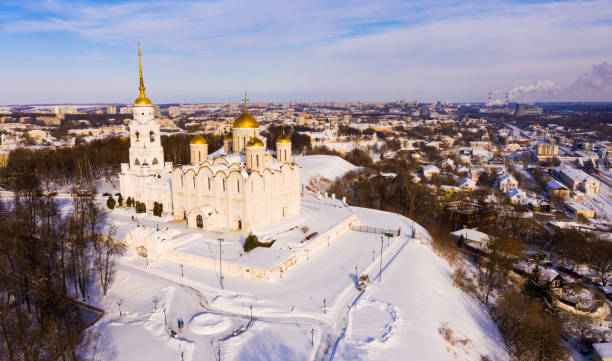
x: 129, y: 202
x: 251, y: 242
x: 140, y: 207
x: 158, y: 209
x: 110, y: 202
x: 120, y: 200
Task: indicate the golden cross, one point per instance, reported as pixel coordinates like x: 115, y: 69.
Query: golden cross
x: 245, y: 101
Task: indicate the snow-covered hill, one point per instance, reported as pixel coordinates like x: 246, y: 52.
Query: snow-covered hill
x: 313, y: 312
x: 327, y: 166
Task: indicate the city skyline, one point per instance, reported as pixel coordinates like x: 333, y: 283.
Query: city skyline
x: 305, y: 51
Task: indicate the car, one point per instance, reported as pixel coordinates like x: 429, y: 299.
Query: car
x: 364, y: 281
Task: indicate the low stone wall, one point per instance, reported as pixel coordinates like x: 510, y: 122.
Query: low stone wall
x: 213, y: 264
x: 302, y: 255
x: 321, y: 241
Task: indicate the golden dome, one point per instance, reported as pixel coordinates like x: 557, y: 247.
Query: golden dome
x: 245, y: 120
x: 254, y: 142
x: 228, y: 136
x: 283, y: 139
x: 198, y: 139
x: 142, y: 100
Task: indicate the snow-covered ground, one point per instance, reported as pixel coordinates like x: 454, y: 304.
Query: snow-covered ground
x: 328, y: 166
x: 302, y: 316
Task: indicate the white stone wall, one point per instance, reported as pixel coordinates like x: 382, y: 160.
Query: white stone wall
x: 260, y: 199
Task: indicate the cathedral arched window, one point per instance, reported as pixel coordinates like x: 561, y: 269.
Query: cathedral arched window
x: 199, y: 221
x: 285, y: 159
x: 136, y: 162
x: 137, y: 136
x: 152, y: 137
x: 155, y: 161
x: 224, y: 184
x: 194, y: 181
x: 257, y: 158
x: 208, y: 183
x: 181, y: 180
x: 238, y: 185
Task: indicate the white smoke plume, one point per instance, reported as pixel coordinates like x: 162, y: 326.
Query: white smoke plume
x: 597, y: 80
x: 587, y: 84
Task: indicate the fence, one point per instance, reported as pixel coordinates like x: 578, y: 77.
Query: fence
x: 377, y: 230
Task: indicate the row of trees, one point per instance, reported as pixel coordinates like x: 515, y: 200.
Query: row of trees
x: 50, y: 253
x: 63, y: 167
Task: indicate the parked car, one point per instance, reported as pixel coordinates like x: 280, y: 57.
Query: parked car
x: 364, y: 281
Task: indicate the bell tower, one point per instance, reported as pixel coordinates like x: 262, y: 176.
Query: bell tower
x: 145, y: 141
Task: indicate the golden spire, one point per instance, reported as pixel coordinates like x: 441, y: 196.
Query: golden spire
x: 283, y: 138
x: 141, y: 87
x: 142, y: 98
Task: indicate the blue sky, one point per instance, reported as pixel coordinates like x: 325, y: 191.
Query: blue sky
x: 58, y: 51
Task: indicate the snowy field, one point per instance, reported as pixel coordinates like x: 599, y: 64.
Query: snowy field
x: 313, y: 313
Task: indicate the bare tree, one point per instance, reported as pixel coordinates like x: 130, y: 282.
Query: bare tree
x: 599, y: 258
x: 108, y: 248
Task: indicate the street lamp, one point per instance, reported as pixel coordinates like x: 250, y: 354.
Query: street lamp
x: 220, y: 268
x: 381, y: 251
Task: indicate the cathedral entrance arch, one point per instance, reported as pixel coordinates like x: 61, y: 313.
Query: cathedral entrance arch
x: 142, y: 251
x: 237, y: 224
x: 204, y: 217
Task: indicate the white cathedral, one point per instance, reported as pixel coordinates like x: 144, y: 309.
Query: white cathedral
x: 238, y: 187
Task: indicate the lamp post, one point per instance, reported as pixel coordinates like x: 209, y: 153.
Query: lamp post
x: 220, y: 268
x: 381, y: 251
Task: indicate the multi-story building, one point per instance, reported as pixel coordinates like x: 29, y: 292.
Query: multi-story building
x: 576, y: 179
x: 545, y: 150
